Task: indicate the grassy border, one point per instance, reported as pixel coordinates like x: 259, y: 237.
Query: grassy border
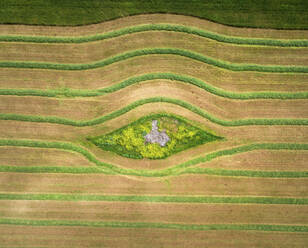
x: 152, y: 76
x: 171, y: 171
x: 199, y: 171
x: 157, y: 27
x: 176, y: 226
x: 127, y: 108
x: 150, y: 51
x: 158, y: 199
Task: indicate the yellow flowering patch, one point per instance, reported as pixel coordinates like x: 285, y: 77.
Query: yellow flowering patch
x: 129, y: 141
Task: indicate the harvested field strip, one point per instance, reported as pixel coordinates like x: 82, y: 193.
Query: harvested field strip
x: 282, y: 160
x: 190, y: 213
x: 39, y: 156
x: 87, y: 52
x: 153, y: 51
x: 127, y: 108
x: 148, y: 198
x: 152, y: 76
x: 117, y: 72
x: 254, y: 227
x: 207, y: 171
x: 192, y: 184
x: 174, y: 170
x: 157, y: 27
x: 13, y: 235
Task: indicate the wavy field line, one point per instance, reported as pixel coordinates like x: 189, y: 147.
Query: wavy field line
x: 150, y: 198
x: 173, y: 170
x: 205, y: 171
x: 127, y: 108
x: 152, y: 76
x: 157, y: 27
x: 176, y: 226
x: 151, y: 51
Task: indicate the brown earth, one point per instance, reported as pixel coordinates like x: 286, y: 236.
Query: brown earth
x: 15, y: 236
x: 28, y: 156
x: 89, y: 108
x: 117, y: 72
x: 151, y: 18
x: 179, y: 185
x: 185, y: 213
x: 281, y: 160
x: 87, y: 52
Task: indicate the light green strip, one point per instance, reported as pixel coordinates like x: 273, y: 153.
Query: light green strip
x: 152, y: 76
x: 206, y: 171
x: 252, y: 227
x: 127, y: 108
x: 151, y: 51
x: 157, y: 27
x: 173, y: 170
x: 145, y: 198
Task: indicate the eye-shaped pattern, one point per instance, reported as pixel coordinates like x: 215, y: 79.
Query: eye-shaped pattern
x: 154, y: 136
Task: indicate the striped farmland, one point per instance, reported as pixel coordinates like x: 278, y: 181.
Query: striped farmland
x: 197, y: 193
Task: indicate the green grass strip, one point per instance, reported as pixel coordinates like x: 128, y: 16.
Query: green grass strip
x: 173, y: 170
x: 253, y: 227
x: 127, y: 108
x: 206, y: 171
x: 152, y: 76
x: 157, y: 27
x: 54, y: 169
x: 146, y: 198
x: 151, y: 51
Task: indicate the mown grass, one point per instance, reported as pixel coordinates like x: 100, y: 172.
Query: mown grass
x: 148, y: 198
x: 127, y: 108
x: 286, y: 14
x: 152, y: 76
x: 254, y: 227
x: 171, y: 171
x: 206, y: 171
x: 152, y: 51
x: 156, y: 27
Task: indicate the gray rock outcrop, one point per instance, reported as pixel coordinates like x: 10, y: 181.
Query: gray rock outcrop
x: 155, y: 136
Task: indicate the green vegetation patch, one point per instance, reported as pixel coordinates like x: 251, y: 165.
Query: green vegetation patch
x: 129, y: 141
x: 281, y: 14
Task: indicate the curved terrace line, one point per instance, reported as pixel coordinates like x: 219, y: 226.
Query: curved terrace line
x: 114, y: 114
x: 171, y: 171
x: 175, y: 226
x: 151, y: 51
x: 150, y: 198
x: 152, y: 76
x: 157, y: 27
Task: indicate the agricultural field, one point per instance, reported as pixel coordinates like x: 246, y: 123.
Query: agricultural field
x: 153, y: 130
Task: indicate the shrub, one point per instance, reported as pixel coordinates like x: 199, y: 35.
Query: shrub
x: 129, y: 141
